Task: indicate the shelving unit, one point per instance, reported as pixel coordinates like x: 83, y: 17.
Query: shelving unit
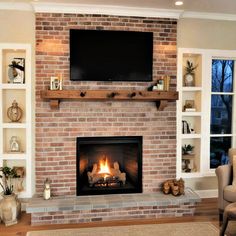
x: 12, y: 89
x: 189, y: 116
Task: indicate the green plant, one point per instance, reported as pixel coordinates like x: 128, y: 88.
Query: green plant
x: 187, y: 148
x: 7, y: 174
x: 190, y: 68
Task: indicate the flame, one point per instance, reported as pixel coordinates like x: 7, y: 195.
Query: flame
x: 104, y: 168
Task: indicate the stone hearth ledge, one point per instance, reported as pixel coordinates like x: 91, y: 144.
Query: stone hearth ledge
x: 59, y: 209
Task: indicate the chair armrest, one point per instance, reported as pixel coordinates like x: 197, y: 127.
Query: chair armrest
x: 224, y: 176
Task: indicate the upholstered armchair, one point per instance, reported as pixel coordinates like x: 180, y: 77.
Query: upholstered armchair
x: 226, y: 191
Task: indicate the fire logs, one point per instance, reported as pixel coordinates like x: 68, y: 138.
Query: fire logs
x: 176, y: 187
x: 113, y: 175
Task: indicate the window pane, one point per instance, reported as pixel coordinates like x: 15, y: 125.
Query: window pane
x: 221, y: 114
x: 222, y: 75
x: 219, y: 151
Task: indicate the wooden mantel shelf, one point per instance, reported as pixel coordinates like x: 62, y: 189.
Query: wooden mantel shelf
x: 160, y: 97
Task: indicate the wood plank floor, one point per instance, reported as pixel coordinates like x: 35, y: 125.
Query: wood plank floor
x: 206, y: 212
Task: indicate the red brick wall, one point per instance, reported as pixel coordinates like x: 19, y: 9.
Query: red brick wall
x: 56, y: 131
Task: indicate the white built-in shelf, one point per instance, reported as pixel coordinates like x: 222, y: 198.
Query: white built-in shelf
x: 22, y: 93
x: 194, y: 121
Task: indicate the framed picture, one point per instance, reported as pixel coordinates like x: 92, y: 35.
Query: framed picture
x: 56, y: 83
x: 16, y: 71
x: 189, y: 105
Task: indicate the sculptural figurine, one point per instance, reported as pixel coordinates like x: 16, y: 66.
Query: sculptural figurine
x: 14, y: 144
x: 47, y: 190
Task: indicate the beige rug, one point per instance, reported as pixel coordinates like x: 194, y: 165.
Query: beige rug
x: 173, y: 229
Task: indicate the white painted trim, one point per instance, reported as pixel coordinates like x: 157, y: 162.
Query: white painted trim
x: 105, y: 9
x: 19, y: 6
x: 210, y: 193
x: 208, y: 15
x: 113, y: 10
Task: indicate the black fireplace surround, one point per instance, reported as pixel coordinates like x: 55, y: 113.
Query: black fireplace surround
x: 125, y: 151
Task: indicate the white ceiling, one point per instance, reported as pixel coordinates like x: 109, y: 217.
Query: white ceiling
x: 216, y: 7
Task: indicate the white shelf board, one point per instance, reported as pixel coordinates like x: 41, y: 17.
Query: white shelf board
x: 14, y: 156
x: 190, y: 136
x: 13, y: 86
x: 14, y: 125
x: 191, y: 113
x: 190, y: 175
x: 191, y: 89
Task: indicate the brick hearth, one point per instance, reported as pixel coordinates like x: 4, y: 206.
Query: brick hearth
x: 69, y: 209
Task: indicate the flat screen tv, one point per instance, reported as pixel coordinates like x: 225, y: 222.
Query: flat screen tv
x: 97, y: 55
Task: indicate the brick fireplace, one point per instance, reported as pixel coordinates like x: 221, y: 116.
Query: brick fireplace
x: 57, y: 130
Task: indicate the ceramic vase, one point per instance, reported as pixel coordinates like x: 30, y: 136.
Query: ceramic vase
x: 10, y: 208
x: 189, y: 80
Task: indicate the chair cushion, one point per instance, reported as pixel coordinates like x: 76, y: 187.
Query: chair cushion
x: 231, y: 153
x: 230, y: 211
x: 230, y: 193
x: 234, y: 170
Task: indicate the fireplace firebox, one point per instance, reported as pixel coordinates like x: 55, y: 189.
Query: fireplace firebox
x: 109, y: 165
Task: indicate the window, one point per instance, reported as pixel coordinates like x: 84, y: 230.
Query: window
x: 222, y: 95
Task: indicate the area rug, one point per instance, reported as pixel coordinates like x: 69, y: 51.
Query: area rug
x: 172, y: 229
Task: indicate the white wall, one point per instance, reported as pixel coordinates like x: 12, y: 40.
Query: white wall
x: 17, y: 26
x: 206, y: 34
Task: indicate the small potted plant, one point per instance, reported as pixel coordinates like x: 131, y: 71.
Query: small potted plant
x: 187, y: 149
x: 190, y: 74
x: 10, y: 206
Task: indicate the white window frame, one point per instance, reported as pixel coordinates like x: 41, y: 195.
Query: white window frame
x: 206, y: 106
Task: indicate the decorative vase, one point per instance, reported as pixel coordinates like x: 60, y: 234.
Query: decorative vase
x: 14, y: 113
x: 10, y: 208
x: 189, y: 80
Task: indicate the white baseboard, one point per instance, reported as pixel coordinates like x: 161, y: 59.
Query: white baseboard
x: 211, y: 193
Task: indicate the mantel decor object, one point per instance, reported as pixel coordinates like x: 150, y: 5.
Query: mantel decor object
x: 14, y: 112
x: 189, y: 77
x: 56, y: 83
x: 166, y: 82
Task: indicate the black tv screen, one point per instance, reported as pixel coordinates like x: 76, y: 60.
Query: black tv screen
x: 97, y: 55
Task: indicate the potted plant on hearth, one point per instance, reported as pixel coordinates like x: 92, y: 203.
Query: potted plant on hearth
x: 189, y: 76
x: 10, y: 206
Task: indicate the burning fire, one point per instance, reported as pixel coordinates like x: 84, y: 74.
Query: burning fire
x: 104, y: 168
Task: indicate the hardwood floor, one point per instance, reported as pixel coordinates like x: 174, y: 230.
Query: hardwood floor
x: 206, y: 212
